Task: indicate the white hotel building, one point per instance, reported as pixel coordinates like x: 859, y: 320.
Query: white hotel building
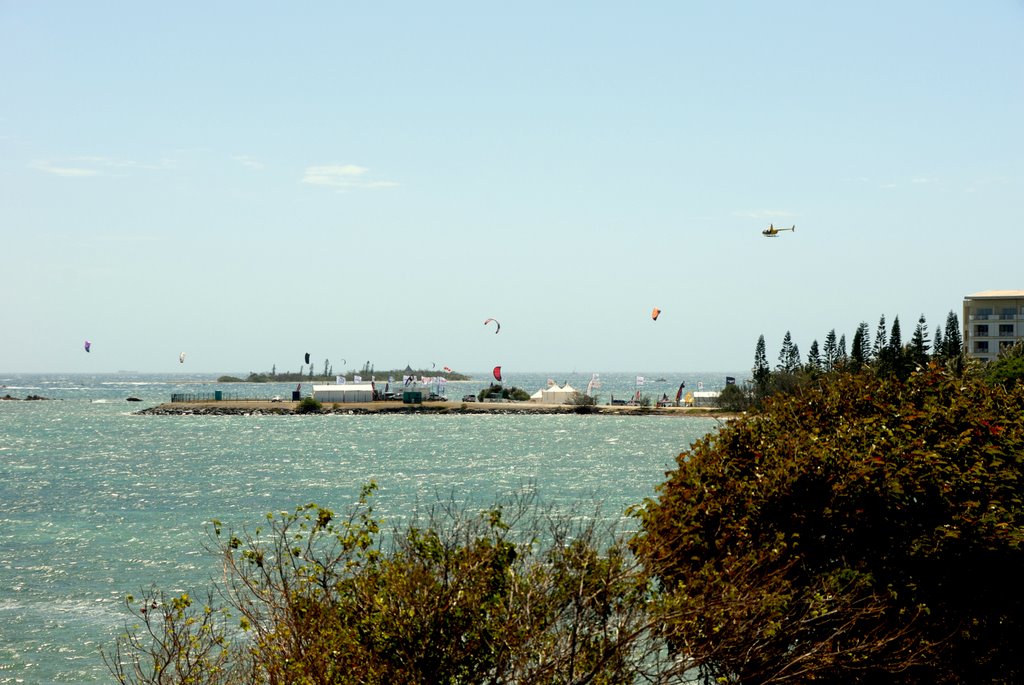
x: 992, y: 320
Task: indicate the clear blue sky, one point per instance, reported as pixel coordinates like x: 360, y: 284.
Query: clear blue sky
x: 247, y: 181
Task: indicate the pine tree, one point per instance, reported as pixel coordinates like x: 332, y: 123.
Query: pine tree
x: 786, y: 353
x: 830, y: 350
x: 793, y: 363
x: 841, y: 358
x: 762, y: 373
x: 814, y: 357
x: 899, y: 359
x: 878, y: 349
x: 939, y: 346
x: 860, y: 352
x: 895, y: 341
x: 865, y: 341
x: 919, y: 344
x: 954, y: 342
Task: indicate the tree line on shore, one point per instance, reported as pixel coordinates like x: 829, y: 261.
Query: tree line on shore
x: 884, y: 355
x: 863, y: 523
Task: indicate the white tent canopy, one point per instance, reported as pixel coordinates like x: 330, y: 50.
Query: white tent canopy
x: 349, y: 392
x: 558, y: 395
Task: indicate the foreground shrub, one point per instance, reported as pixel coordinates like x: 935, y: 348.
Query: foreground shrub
x: 455, y: 597
x: 862, y: 530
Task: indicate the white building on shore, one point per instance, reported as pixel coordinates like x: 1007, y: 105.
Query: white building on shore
x: 348, y: 392
x: 993, y: 320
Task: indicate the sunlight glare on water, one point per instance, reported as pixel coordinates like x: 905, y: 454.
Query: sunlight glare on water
x: 98, y: 502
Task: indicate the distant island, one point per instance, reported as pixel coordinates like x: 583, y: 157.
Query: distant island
x: 366, y: 374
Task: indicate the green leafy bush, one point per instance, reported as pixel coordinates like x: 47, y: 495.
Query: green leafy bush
x: 309, y: 405
x: 455, y: 597
x: 513, y: 393
x: 865, y: 529
x: 732, y: 398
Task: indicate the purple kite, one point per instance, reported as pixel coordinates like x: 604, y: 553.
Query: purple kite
x: 87, y: 345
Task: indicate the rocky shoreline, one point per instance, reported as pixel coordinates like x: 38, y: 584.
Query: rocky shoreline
x: 241, y: 408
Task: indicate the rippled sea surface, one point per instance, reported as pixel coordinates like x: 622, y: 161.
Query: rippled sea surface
x: 97, y: 502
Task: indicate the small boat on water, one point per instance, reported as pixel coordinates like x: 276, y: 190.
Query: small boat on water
x: 134, y: 399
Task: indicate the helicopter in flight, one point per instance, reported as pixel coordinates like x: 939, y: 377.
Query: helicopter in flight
x: 772, y: 232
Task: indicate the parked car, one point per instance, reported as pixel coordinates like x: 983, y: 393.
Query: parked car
x: 469, y: 398
x: 275, y: 398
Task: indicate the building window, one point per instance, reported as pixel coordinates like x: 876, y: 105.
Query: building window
x: 981, y: 330
x: 982, y: 313
x: 1007, y: 313
x: 1004, y: 344
x: 981, y: 346
x: 1005, y: 329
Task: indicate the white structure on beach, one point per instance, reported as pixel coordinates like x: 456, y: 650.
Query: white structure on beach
x: 706, y: 398
x: 557, y: 395
x: 349, y: 392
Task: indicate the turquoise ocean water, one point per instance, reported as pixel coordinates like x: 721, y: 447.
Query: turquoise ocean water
x: 96, y: 502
